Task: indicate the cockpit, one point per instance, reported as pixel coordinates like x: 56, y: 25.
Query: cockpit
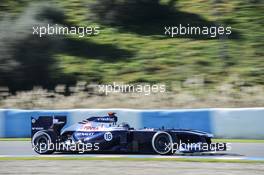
x: 111, y: 118
x: 100, y: 123
x: 103, y: 122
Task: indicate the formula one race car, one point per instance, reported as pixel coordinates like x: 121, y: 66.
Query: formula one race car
x: 102, y: 134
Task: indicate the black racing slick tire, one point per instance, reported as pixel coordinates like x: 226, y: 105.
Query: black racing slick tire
x: 43, y: 142
x: 162, y: 143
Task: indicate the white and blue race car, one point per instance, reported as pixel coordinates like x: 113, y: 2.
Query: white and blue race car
x: 103, y: 134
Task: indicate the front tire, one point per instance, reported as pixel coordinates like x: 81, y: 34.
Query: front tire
x: 162, y: 143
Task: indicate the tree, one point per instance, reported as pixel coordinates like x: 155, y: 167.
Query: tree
x: 130, y: 11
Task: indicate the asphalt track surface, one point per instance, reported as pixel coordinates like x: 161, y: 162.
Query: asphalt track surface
x: 103, y: 167
x: 245, y: 150
x: 252, y: 151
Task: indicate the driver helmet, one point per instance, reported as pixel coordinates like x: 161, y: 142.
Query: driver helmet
x: 111, y: 113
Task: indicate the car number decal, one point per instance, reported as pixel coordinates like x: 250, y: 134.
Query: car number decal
x: 108, y: 136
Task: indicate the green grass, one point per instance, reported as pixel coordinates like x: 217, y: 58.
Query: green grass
x: 161, y: 59
x: 15, y: 139
x: 177, y: 59
x: 132, y: 159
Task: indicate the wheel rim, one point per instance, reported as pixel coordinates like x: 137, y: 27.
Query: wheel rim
x: 41, y: 144
x: 162, y: 143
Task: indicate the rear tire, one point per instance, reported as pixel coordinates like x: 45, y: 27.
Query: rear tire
x: 43, y: 142
x: 162, y: 143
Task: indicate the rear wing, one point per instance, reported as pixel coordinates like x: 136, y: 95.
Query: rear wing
x: 48, y: 123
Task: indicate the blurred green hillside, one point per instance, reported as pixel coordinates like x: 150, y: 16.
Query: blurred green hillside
x: 136, y: 52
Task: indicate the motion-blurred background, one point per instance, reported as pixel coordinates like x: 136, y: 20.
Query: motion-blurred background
x: 63, y: 71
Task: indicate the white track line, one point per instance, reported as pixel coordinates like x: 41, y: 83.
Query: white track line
x: 142, y: 156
